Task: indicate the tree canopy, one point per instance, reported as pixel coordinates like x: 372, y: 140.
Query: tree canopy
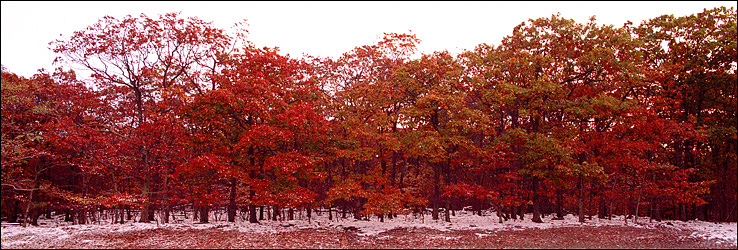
x: 561, y: 116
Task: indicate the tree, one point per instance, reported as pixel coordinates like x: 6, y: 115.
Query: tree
x: 264, y: 123
x: 41, y: 118
x: 366, y: 101
x: 437, y: 117
x: 692, y: 69
x: 147, y: 68
x: 589, y: 115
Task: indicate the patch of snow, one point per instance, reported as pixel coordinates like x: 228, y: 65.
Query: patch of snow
x: 481, y: 235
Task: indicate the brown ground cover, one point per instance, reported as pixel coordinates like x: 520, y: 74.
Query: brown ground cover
x: 563, y: 237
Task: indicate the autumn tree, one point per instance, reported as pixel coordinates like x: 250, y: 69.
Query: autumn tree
x: 629, y: 120
x: 437, y: 118
x: 147, y: 67
x: 42, y: 117
x: 366, y: 102
x: 692, y: 72
x: 262, y: 127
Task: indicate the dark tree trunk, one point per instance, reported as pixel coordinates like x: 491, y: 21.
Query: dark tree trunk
x: 144, y: 217
x: 152, y: 211
x: 204, y: 210
x: 682, y: 212
x: 522, y: 209
x: 35, y: 213
x: 602, y: 213
x: 252, y: 214
x: 261, y: 213
x: 330, y: 214
x: 15, y: 208
x: 700, y: 211
x: 276, y: 212
x: 309, y: 213
x: 590, y: 210
x: 513, y: 213
x: 559, y: 198
x: 344, y: 210
x: 82, y: 216
x: 536, y: 203
x: 232, y: 201
x: 436, y: 190
x: 580, y: 186
x: 166, y: 215
x: 357, y: 210
x: 446, y: 212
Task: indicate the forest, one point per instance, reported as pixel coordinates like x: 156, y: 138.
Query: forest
x: 559, y: 118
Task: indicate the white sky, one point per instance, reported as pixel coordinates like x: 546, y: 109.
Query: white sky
x: 325, y: 29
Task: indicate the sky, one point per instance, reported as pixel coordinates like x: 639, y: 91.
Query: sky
x: 325, y: 29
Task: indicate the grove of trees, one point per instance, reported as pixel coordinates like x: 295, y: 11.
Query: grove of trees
x: 561, y: 117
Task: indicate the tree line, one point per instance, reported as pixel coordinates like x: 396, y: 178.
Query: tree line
x: 561, y: 117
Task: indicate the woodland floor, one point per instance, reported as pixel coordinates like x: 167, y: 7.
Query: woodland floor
x: 404, y: 231
x: 605, y: 236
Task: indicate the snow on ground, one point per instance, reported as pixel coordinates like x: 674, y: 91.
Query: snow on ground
x: 464, y: 220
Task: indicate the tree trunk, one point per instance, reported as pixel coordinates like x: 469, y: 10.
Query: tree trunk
x: 436, y: 190
x: 35, y: 213
x: 122, y: 214
x: 612, y: 198
x: 344, y: 210
x: 330, y: 214
x: 536, y: 203
x: 275, y: 212
x: 252, y: 213
x: 446, y: 212
x: 166, y: 215
x: 30, y: 201
x: 15, y: 210
x: 609, y: 213
x: 559, y: 201
x: 232, y: 201
x: 513, y: 214
x: 602, y: 213
x: 144, y: 217
x: 521, y: 211
x: 580, y: 185
x: 590, y: 210
x: 309, y: 213
x: 638, y: 204
x: 82, y: 216
x: 500, y: 214
x: 152, y: 211
x: 204, y: 210
x: 357, y: 210
x: 164, y: 197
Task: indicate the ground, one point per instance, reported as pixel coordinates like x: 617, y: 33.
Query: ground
x: 465, y: 231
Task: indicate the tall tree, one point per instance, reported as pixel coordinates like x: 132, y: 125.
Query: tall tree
x: 692, y: 62
x: 148, y: 67
x: 265, y: 125
x: 43, y: 117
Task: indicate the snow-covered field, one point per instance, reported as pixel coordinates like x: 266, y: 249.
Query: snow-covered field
x: 14, y: 236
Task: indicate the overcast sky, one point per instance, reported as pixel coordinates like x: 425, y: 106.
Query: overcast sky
x: 325, y: 29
